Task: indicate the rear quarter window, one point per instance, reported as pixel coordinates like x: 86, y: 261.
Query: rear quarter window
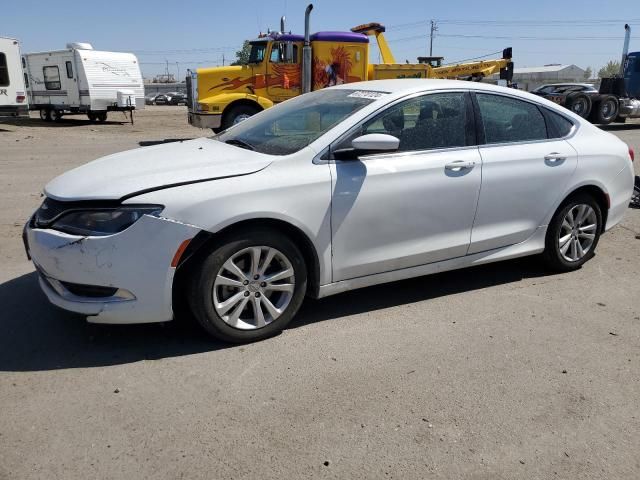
x: 558, y: 126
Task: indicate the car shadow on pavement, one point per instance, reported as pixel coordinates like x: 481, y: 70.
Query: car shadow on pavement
x: 418, y: 290
x: 36, y: 336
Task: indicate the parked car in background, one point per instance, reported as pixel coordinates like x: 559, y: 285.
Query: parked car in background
x: 583, y: 99
x: 150, y: 99
x: 178, y: 98
x: 345, y: 187
x: 161, y: 99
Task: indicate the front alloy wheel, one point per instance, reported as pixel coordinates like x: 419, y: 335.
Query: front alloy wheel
x: 253, y: 288
x: 249, y: 286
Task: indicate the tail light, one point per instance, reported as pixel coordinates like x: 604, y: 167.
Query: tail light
x: 20, y: 98
x: 632, y: 154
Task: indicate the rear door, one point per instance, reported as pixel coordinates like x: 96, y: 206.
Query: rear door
x: 524, y: 170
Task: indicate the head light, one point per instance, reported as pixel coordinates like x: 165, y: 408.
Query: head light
x: 103, y: 221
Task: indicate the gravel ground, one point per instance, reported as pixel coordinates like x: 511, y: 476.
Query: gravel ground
x: 496, y: 372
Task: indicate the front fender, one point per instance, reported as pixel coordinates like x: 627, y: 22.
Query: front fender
x: 218, y: 103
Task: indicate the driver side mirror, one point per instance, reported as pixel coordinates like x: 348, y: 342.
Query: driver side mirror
x: 367, y: 145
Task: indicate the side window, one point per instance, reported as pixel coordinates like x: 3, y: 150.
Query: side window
x: 69, y: 69
x: 26, y: 80
x: 428, y: 122
x: 51, y: 78
x: 4, y: 71
x: 507, y: 119
x: 284, y: 52
x: 559, y: 126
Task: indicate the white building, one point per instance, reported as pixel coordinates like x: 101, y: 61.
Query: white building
x: 529, y: 78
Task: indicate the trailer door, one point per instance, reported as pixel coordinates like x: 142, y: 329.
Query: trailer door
x: 69, y: 79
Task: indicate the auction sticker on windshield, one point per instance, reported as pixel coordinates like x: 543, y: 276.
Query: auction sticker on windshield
x: 367, y: 94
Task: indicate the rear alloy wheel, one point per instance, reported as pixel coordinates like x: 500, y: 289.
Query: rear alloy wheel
x: 573, y: 234
x: 580, y: 105
x: 45, y: 114
x: 101, y: 116
x: 249, y: 288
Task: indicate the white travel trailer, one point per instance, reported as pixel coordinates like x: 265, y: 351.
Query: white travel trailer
x: 13, y: 97
x: 83, y: 80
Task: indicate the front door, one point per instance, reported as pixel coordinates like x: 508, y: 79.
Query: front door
x: 524, y: 171
x: 414, y: 206
x: 284, y: 74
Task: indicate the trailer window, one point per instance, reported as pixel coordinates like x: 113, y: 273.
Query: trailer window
x: 26, y: 80
x: 51, y: 78
x: 69, y: 69
x: 4, y: 71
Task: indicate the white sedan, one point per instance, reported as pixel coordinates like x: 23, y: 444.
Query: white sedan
x: 342, y: 188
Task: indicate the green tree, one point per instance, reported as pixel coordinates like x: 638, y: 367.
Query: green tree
x: 610, y: 69
x: 242, y: 56
x: 588, y: 73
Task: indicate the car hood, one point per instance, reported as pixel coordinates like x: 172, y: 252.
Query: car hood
x: 126, y: 174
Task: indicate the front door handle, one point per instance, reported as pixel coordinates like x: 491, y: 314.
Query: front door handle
x: 555, y: 157
x: 459, y: 165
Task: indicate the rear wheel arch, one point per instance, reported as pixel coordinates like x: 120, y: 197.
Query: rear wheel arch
x: 205, y: 241
x: 594, y: 191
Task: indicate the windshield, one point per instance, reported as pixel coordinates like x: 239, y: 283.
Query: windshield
x: 257, y: 52
x: 292, y: 125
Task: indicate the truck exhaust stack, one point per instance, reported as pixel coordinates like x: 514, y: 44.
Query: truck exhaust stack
x: 306, y: 52
x: 625, y: 49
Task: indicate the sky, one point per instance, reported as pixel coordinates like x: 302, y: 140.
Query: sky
x: 196, y: 33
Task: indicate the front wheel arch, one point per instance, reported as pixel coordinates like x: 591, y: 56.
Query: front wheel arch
x: 205, y: 241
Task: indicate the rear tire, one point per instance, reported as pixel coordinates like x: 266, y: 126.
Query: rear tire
x: 45, y: 115
x: 215, y: 282
x: 573, y: 233
x: 102, y: 117
x: 237, y: 114
x: 579, y: 104
x: 92, y: 116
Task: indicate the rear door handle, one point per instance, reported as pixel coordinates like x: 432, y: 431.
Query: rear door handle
x: 555, y: 157
x: 459, y: 165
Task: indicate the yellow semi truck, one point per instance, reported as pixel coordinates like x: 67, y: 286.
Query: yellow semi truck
x: 282, y: 65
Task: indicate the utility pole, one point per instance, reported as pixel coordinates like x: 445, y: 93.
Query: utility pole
x: 223, y: 59
x: 434, y: 29
x: 178, y: 68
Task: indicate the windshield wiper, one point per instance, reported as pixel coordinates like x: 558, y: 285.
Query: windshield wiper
x: 240, y: 143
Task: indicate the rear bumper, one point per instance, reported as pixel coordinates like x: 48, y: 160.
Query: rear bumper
x: 14, y: 110
x: 620, y: 194
x: 202, y: 120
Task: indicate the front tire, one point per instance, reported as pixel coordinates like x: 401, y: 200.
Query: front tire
x: 237, y: 114
x: 249, y: 286
x: 573, y: 234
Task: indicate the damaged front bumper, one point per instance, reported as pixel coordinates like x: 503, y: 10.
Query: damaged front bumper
x: 121, y: 278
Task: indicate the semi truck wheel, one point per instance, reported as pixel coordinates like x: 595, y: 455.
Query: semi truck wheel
x: 45, y: 114
x: 579, y: 104
x: 92, y: 116
x: 237, y: 114
x: 102, y: 117
x: 607, y: 110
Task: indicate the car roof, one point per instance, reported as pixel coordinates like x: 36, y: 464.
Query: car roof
x: 406, y: 86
